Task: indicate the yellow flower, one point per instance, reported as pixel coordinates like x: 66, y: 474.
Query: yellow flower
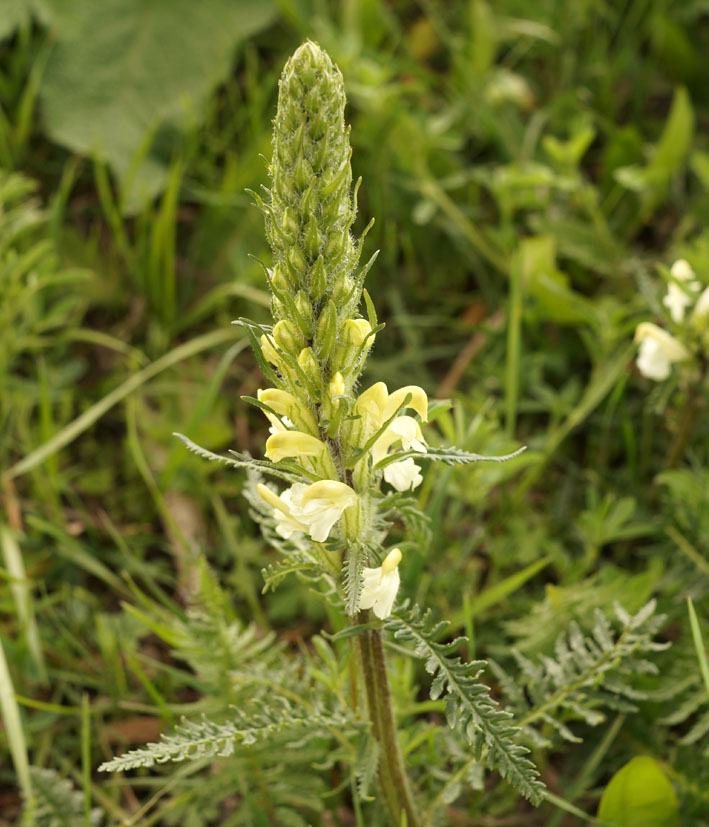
x: 322, y: 505
x: 376, y: 404
x: 283, y: 506
x: 286, y: 406
x: 293, y: 444
x: 380, y: 585
x: 658, y: 351
x: 356, y: 332
x: 337, y: 385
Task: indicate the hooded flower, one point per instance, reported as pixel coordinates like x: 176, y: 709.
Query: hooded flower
x: 322, y: 505
x: 678, y: 299
x: 404, y: 475
x: 283, y: 508
x: 286, y: 444
x: 658, y: 351
x: 376, y: 404
x: 290, y: 410
x: 380, y: 585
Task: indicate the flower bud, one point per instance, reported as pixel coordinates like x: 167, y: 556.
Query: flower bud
x: 308, y: 363
x: 305, y: 313
x: 357, y: 331
x: 337, y: 386
x: 296, y: 260
x: 342, y: 289
x: 269, y: 352
x: 289, y: 224
x: 336, y: 246
x: 326, y: 335
x: 313, y: 239
x: 279, y: 279
x: 288, y: 337
x: 318, y: 279
x: 303, y: 173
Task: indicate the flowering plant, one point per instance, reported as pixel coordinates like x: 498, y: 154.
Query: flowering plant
x: 688, y: 307
x: 342, y: 463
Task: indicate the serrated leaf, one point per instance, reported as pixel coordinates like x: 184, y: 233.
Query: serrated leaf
x: 469, y: 708
x: 275, y: 469
x: 449, y: 456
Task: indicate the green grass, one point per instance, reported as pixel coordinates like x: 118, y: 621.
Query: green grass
x: 529, y: 165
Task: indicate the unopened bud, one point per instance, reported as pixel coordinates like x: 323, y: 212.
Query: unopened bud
x: 337, y: 386
x: 309, y: 364
x: 290, y: 223
x: 305, y: 313
x: 288, y: 337
x: 357, y: 331
x: 342, y: 289
x: 296, y: 259
x: 303, y: 173
x: 269, y: 352
x: 313, y: 240
x: 326, y: 335
x: 318, y: 279
x: 279, y: 279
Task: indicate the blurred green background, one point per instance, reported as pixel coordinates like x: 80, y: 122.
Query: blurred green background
x: 529, y: 164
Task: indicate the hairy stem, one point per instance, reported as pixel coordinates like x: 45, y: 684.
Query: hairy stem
x: 689, y: 418
x: 393, y: 780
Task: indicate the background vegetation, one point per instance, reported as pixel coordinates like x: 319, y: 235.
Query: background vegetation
x: 529, y: 165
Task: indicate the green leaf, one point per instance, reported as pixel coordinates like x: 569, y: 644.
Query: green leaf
x: 126, y: 77
x: 639, y: 795
x: 282, y: 470
x: 670, y: 153
x: 470, y: 710
x: 448, y: 456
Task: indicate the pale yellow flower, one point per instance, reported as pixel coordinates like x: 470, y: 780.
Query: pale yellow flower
x: 321, y: 506
x: 293, y: 444
x: 658, y: 351
x: 283, y: 506
x: 380, y: 585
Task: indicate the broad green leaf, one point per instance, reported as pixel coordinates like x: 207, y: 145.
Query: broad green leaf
x: 669, y: 154
x: 126, y: 76
x: 675, y: 140
x: 639, y: 795
x: 550, y: 288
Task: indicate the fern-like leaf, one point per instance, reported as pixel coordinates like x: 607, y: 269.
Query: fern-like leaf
x: 470, y: 710
x: 196, y: 740
x: 282, y: 470
x: 57, y: 803
x: 448, y: 456
x: 586, y: 675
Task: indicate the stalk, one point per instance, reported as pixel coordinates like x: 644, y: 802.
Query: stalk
x: 320, y: 341
x: 695, y: 403
x: 393, y: 780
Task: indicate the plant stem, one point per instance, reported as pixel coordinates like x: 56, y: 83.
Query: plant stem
x: 686, y: 426
x: 393, y: 780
